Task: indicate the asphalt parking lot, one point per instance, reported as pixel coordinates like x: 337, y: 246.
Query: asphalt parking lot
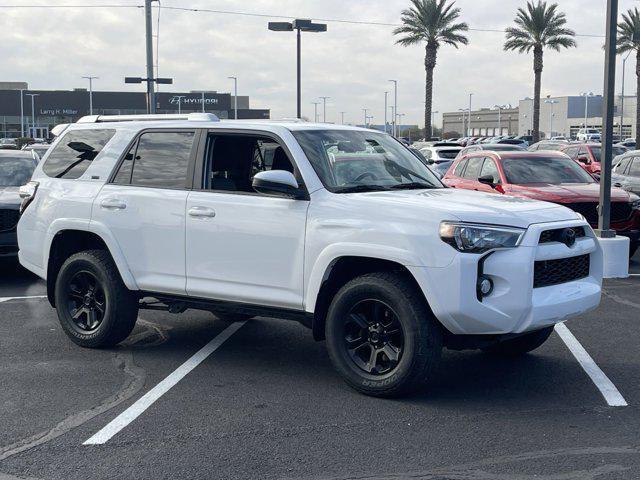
x: 266, y: 403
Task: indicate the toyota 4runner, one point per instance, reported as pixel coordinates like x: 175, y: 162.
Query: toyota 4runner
x: 341, y: 228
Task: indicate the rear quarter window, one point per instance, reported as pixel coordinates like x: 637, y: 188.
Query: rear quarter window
x: 75, y: 151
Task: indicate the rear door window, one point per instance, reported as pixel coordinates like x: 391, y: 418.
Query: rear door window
x: 159, y: 160
x: 489, y: 168
x: 75, y: 151
x: 460, y: 168
x: 634, y: 168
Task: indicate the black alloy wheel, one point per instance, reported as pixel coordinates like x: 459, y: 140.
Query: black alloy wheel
x: 373, y: 337
x: 86, y: 302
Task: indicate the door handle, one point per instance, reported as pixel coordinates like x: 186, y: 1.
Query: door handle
x: 202, y: 212
x: 113, y: 204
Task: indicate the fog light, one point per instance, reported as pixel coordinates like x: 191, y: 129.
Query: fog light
x: 485, y: 286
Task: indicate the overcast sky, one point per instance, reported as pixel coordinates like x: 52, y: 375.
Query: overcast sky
x: 53, y: 48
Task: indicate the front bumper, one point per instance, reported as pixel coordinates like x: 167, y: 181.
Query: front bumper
x: 514, y: 306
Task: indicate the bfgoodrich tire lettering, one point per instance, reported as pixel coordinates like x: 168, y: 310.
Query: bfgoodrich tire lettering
x: 89, y: 282
x: 383, y: 313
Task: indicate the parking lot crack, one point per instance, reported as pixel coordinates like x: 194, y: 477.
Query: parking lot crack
x: 134, y: 380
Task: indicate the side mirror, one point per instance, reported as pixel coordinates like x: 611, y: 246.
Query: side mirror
x: 583, y: 159
x: 487, y: 180
x: 277, y: 183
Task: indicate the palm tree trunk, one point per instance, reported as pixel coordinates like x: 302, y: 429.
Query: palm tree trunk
x: 431, y: 52
x: 637, y: 97
x: 537, y: 70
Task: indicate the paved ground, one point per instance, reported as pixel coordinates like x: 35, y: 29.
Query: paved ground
x: 267, y: 404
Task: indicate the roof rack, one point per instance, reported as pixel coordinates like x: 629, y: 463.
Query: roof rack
x: 192, y: 117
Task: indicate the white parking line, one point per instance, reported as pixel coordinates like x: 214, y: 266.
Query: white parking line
x: 608, y: 390
x: 135, y: 410
x: 6, y: 299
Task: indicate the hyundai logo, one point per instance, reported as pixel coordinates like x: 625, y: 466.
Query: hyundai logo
x: 568, y: 237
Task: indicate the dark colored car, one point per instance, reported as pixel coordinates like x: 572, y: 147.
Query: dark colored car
x: 588, y: 155
x: 514, y: 141
x: 626, y: 173
x: 16, y: 169
x: 547, y: 176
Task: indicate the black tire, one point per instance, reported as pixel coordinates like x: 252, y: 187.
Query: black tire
x: 399, y: 306
x: 232, y: 317
x: 115, y: 307
x: 520, y: 345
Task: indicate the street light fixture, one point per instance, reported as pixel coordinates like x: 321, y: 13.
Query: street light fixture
x: 624, y: 66
x: 180, y: 97
x: 33, y: 111
x: 315, y: 111
x: 324, y: 108
x: 399, y: 126
x: 342, y: 115
x: 151, y: 103
x: 586, y: 105
x: 395, y: 107
x: 300, y: 25
x: 235, y: 96
x: 551, y: 115
x: 91, y: 79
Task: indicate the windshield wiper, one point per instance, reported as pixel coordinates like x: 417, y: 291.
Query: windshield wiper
x: 413, y: 186
x: 360, y: 188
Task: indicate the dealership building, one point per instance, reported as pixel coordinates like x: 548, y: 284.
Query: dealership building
x: 41, y: 110
x: 563, y: 115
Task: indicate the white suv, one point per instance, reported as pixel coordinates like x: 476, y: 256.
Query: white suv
x: 341, y: 228
x: 588, y: 135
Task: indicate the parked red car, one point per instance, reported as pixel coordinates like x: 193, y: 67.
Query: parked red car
x: 548, y: 176
x: 588, y: 154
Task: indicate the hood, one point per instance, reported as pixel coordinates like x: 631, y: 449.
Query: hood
x: 10, y: 196
x: 470, y: 206
x: 567, y: 192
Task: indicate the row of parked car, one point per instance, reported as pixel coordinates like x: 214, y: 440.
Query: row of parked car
x: 554, y: 170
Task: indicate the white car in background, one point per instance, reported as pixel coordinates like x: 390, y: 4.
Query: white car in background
x: 588, y: 135
x: 440, y: 153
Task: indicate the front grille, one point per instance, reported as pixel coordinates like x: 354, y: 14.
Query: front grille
x: 620, y: 211
x: 563, y: 270
x: 556, y: 235
x: 8, y: 219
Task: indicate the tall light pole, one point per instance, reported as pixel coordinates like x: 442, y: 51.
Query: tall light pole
x: 180, y: 97
x: 235, y: 96
x: 300, y: 25
x: 33, y: 111
x: 433, y: 113
x: 552, y: 103
x: 342, y: 115
x: 365, y: 110
x: 22, y: 112
x: 324, y: 108
x: 395, y: 106
x: 586, y: 105
x: 499, y: 107
x: 604, y: 210
x: 91, y: 79
x: 624, y: 66
x: 315, y: 111
x: 151, y: 94
x: 399, y: 126
x: 469, y: 126
x: 386, y: 106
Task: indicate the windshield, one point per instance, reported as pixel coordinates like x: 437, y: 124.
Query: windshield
x: 15, y: 172
x: 597, y: 152
x: 354, y: 160
x: 544, y: 170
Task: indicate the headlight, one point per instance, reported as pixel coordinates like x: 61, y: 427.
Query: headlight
x: 476, y: 238
x: 636, y: 204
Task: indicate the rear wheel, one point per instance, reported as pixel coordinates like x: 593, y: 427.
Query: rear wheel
x: 381, y: 337
x: 94, y: 307
x: 520, y: 345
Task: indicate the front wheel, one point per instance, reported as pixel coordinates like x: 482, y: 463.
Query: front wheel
x: 94, y: 307
x: 381, y: 337
x: 520, y: 345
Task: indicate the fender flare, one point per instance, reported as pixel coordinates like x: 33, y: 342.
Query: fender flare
x: 328, y: 256
x: 101, y: 231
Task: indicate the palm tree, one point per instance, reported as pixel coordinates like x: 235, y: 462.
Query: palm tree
x: 538, y: 27
x: 628, y: 41
x: 433, y: 22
